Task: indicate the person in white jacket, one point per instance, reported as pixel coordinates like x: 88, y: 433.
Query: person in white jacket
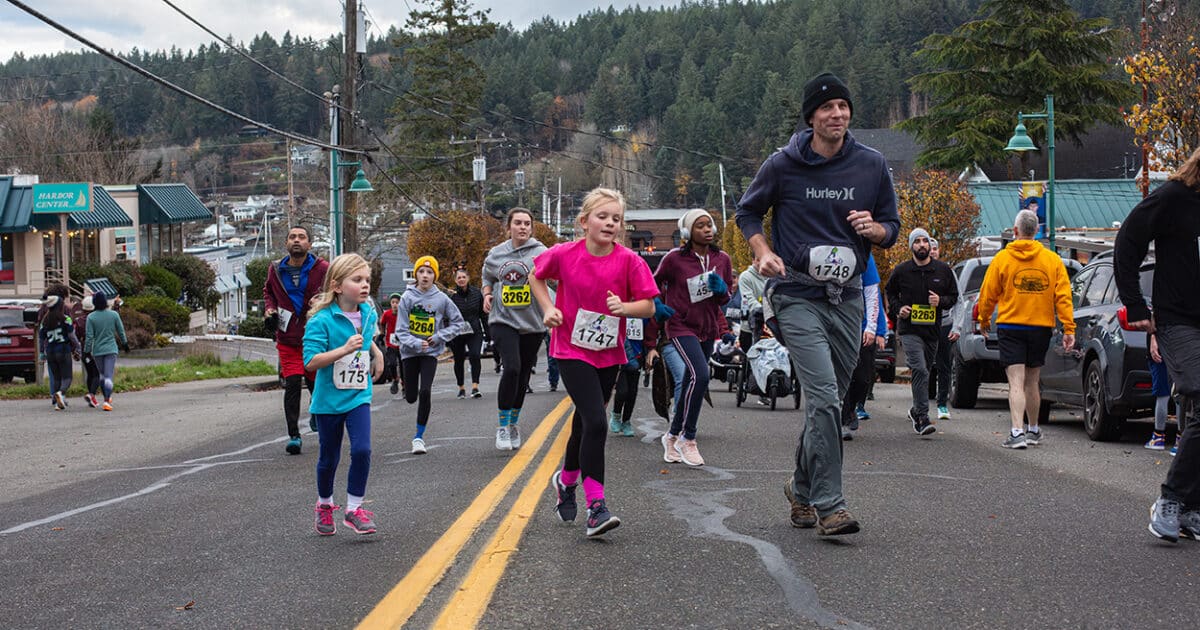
x: 428, y: 319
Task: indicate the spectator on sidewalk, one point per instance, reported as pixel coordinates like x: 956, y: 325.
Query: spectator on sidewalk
x: 1029, y: 285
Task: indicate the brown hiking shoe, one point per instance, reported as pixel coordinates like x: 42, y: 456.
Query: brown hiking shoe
x: 803, y: 515
x: 840, y: 522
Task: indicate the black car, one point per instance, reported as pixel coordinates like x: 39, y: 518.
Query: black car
x: 1106, y: 373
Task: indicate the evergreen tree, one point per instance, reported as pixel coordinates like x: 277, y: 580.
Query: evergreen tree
x: 1004, y: 61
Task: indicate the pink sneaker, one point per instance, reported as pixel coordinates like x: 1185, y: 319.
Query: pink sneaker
x: 688, y: 452
x: 360, y: 521
x: 670, y: 453
x: 325, y: 525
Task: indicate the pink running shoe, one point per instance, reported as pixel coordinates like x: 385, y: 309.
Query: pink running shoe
x: 670, y: 453
x: 360, y: 521
x: 325, y: 525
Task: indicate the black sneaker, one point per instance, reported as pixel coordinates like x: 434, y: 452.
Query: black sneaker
x: 395, y: 388
x: 475, y: 393
x: 921, y: 425
x: 565, y: 507
x: 554, y: 387
x: 462, y: 394
x: 600, y: 520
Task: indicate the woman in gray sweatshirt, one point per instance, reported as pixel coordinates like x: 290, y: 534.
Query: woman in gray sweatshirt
x: 514, y: 319
x: 427, y: 320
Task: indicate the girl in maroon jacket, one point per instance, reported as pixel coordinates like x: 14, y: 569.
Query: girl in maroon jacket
x: 694, y: 280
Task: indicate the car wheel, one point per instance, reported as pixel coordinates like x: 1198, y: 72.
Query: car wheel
x: 1099, y: 424
x: 964, y: 382
x: 888, y: 375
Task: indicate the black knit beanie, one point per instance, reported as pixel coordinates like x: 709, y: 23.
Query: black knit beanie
x: 821, y: 88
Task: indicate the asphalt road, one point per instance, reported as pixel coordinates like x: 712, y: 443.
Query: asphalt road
x: 180, y: 509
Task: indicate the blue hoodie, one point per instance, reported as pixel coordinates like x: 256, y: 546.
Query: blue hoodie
x: 329, y: 328
x: 812, y: 196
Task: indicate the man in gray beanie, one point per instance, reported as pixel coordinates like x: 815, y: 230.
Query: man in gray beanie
x: 919, y: 291
x: 833, y: 200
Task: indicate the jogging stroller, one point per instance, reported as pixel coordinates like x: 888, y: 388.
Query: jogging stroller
x: 770, y: 369
x: 727, y: 361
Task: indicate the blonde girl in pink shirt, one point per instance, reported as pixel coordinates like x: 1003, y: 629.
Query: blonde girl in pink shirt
x: 600, y: 284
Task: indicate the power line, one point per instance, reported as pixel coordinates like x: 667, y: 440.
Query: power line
x: 150, y: 75
x: 238, y: 50
x: 515, y: 141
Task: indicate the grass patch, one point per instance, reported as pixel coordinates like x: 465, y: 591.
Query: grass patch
x: 193, y: 367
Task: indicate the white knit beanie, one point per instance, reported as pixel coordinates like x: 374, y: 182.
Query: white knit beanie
x: 689, y: 219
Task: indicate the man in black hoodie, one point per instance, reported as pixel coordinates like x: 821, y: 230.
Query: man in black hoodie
x: 833, y: 199
x: 918, y: 291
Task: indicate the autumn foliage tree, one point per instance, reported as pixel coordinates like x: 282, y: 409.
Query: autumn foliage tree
x: 1168, y: 69
x: 735, y: 245
x: 462, y: 238
x: 940, y: 203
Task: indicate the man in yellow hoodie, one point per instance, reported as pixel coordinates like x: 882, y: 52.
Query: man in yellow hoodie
x: 1030, y: 286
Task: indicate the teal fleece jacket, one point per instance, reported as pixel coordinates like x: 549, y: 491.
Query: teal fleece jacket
x: 102, y: 330
x: 329, y: 328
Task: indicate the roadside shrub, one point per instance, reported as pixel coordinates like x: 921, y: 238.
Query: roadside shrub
x: 168, y: 316
x: 139, y: 328
x: 198, y: 280
x: 160, y: 277
x: 125, y: 277
x: 153, y: 291
x: 253, y: 327
x: 256, y: 271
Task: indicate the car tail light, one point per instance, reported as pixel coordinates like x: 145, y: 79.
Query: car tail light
x: 1142, y: 385
x: 1123, y: 319
x: 975, y: 317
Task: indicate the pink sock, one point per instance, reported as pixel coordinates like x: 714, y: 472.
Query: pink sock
x: 592, y: 489
x: 569, y: 477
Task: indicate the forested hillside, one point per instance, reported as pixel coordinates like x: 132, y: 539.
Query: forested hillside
x: 707, y: 78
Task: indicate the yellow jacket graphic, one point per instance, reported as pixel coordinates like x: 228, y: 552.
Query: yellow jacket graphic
x: 1029, y: 284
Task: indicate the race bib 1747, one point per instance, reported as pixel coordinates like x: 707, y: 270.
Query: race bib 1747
x: 595, y: 331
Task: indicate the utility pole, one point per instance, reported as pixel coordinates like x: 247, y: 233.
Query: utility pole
x: 479, y: 164
x: 724, y: 217
x: 354, y: 46
x: 291, y: 209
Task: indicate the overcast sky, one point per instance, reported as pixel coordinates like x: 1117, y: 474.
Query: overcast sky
x: 151, y: 25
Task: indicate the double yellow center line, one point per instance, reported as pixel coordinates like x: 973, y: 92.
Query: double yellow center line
x: 468, y: 603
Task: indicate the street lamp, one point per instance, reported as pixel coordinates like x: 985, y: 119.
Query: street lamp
x: 1021, y: 142
x: 359, y: 185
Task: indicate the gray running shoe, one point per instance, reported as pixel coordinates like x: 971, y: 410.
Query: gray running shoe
x: 1189, y: 525
x: 325, y: 525
x: 1164, y: 519
x: 1015, y: 441
x: 600, y: 520
x: 514, y: 436
x: 360, y: 521
x: 1033, y: 438
x: 502, y: 441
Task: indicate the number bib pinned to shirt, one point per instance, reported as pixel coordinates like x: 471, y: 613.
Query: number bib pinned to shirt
x: 421, y: 325
x: 595, y: 331
x: 832, y: 263
x: 352, y: 371
x: 698, y: 287
x: 922, y: 315
x: 516, y: 296
x: 634, y: 329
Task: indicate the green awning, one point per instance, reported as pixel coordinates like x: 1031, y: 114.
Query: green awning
x: 1078, y: 203
x: 102, y: 285
x: 161, y: 204
x: 16, y: 207
x: 105, y: 213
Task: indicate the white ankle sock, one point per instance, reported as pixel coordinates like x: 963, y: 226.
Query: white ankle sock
x: 324, y: 501
x: 352, y: 503
x: 1016, y: 432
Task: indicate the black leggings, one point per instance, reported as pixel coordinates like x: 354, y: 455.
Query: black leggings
x: 466, y: 347
x: 418, y: 382
x: 589, y: 389
x: 93, y: 373
x: 518, y: 352
x: 860, y: 383
x: 627, y: 391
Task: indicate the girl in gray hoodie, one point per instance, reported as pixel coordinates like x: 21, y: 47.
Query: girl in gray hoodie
x: 427, y: 320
